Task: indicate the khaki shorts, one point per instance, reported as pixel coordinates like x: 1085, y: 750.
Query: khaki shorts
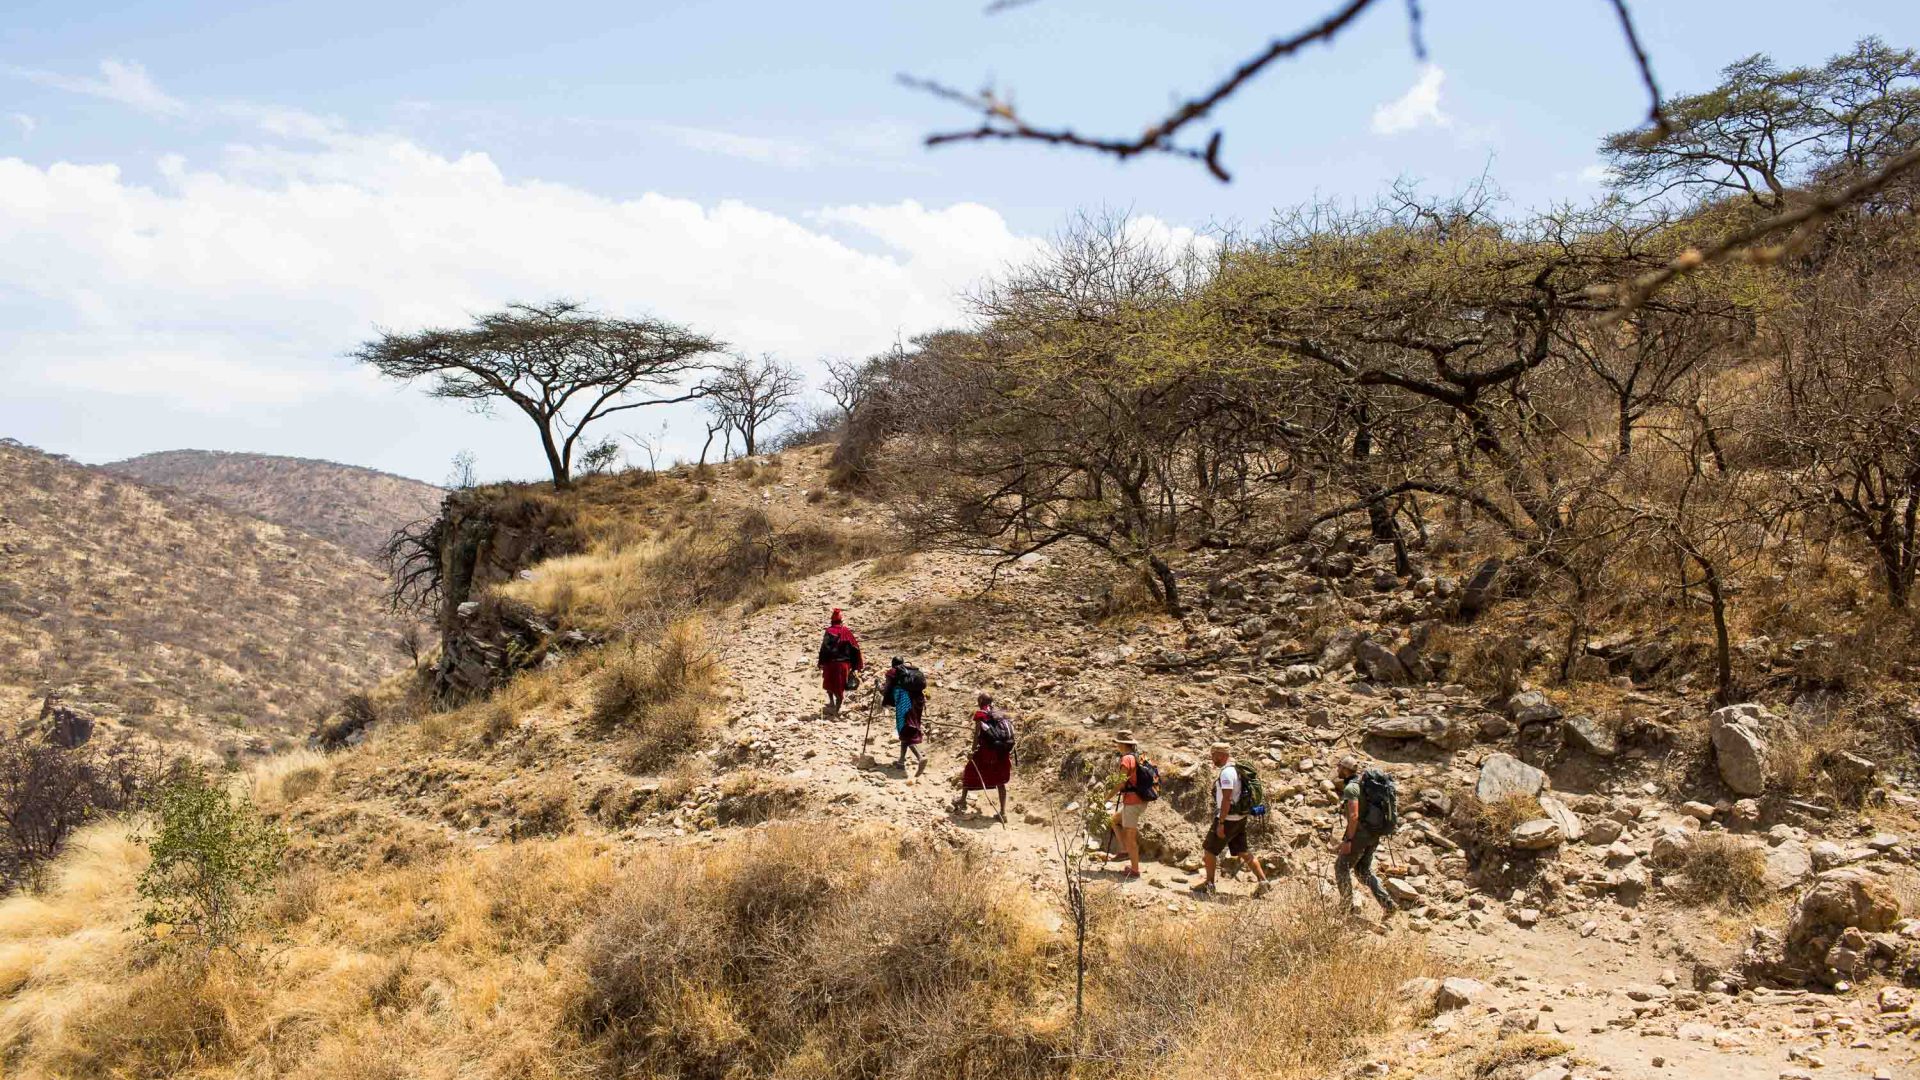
x: 1130, y: 814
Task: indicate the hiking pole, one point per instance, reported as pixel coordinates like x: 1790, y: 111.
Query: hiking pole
x: 866, y: 733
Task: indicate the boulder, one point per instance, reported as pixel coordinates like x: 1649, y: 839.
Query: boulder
x: 1339, y: 650
x: 1503, y: 776
x: 1536, y: 835
x: 1788, y: 864
x: 1531, y: 707
x: 1851, y: 770
x: 1377, y: 662
x: 1603, y: 831
x: 1478, y: 592
x: 1450, y: 734
x: 1740, y: 747
x: 1571, y: 827
x: 1647, y: 659
x: 65, y: 725
x: 1401, y: 727
x: 1459, y: 992
x: 1590, y: 736
x: 1844, y: 898
x: 1670, y: 848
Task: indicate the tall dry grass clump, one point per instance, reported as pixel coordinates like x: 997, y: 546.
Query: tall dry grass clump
x: 657, y: 695
x: 1723, y: 869
x: 799, y: 956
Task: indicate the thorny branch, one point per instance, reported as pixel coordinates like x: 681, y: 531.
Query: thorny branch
x: 1001, y: 121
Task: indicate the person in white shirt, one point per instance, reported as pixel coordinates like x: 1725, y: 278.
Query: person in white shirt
x: 1229, y: 830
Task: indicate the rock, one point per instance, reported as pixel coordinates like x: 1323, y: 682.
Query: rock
x: 1458, y: 992
x: 1788, y: 864
x: 1747, y: 812
x: 466, y: 608
x: 1503, y: 776
x: 1493, y: 726
x: 1339, y: 650
x: 1401, y: 891
x: 1883, y: 842
x: 1300, y: 674
x: 64, y: 725
x: 1619, y: 855
x: 1699, y: 811
x: 1670, y: 848
x: 1450, y: 734
x: 1420, y: 991
x: 1401, y: 727
x: 1895, y: 999
x: 1739, y: 748
x: 1647, y: 659
x: 1839, y: 900
x: 1571, y: 827
x: 1851, y: 770
x: 1531, y: 707
x: 1827, y: 855
x: 1604, y: 831
x: 1377, y: 662
x: 1588, y: 735
x: 1479, y: 589
x: 1536, y: 835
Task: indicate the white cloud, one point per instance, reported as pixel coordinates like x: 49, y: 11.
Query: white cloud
x: 1418, y: 108
x: 787, y: 153
x: 123, y: 82
x: 26, y: 123
x: 1596, y: 174
x: 244, y: 279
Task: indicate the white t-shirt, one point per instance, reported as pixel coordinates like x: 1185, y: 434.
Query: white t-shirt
x: 1230, y: 789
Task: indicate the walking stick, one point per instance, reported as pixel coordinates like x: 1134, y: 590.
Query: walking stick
x: 866, y: 733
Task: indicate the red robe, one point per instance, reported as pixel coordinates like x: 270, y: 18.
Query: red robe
x: 987, y: 767
x: 833, y: 673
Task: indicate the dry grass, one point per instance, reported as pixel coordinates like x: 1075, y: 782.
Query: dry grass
x: 1515, y: 1056
x: 1725, y: 870
x: 783, y: 952
x: 657, y: 696
x: 1490, y: 824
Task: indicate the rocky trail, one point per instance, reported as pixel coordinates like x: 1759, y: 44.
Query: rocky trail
x: 1612, y: 980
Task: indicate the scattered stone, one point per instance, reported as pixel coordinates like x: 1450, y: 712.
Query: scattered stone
x: 1699, y: 811
x: 1562, y: 815
x: 1604, y: 831
x: 1788, y: 864
x: 1377, y: 662
x: 1895, y: 999
x: 1670, y: 848
x: 1401, y: 727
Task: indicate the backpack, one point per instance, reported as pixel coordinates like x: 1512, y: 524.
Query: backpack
x: 1253, y: 794
x: 1379, y: 803
x: 997, y: 732
x: 837, y: 649
x: 1146, y: 779
x: 911, y: 680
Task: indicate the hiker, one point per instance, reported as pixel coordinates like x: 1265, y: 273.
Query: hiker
x: 1139, y: 785
x: 990, y: 764
x: 905, y: 691
x: 1233, y: 801
x: 1368, y: 813
x: 839, y: 659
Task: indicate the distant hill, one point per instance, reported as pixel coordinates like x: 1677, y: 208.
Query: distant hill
x: 354, y: 507
x: 172, y: 615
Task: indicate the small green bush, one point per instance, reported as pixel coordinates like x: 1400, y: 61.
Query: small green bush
x: 214, y: 860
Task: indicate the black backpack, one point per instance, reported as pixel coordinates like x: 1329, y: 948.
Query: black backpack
x: 834, y: 648
x: 1146, y: 779
x: 911, y: 680
x: 997, y: 732
x: 1379, y: 803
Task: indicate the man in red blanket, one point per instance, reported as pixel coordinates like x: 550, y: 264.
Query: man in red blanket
x: 990, y: 765
x: 839, y: 658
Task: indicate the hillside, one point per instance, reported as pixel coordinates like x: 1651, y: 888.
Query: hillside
x: 657, y: 857
x: 354, y: 507
x: 173, y: 617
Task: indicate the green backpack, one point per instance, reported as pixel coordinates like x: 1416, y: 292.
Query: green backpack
x: 1253, y: 794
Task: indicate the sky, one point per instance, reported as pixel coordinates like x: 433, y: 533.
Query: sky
x: 204, y: 207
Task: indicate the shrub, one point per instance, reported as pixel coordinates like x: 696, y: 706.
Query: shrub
x: 213, y: 861
x: 47, y: 791
x: 658, y: 695
x: 1490, y: 824
x: 1723, y: 869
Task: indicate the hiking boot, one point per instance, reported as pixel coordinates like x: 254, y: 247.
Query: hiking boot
x: 1262, y: 889
x: 1205, y: 888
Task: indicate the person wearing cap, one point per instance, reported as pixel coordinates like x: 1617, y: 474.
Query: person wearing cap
x: 1126, y: 821
x: 839, y: 659
x: 1357, y: 842
x: 905, y: 692
x: 1228, y: 833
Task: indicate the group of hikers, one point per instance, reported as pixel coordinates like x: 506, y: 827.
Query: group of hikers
x: 1368, y: 804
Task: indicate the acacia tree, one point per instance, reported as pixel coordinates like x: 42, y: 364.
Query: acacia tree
x: 563, y: 366
x: 745, y: 397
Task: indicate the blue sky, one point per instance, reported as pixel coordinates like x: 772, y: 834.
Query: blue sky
x: 203, y: 206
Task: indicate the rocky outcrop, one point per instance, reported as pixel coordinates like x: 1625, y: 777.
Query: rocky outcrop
x: 64, y: 725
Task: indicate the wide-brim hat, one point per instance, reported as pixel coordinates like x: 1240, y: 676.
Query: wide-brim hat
x: 1125, y: 738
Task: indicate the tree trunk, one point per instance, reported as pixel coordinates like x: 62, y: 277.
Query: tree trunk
x: 1626, y: 428
x: 562, y: 474
x: 1169, y: 584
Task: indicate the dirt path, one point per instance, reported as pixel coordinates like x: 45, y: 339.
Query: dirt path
x: 1601, y: 991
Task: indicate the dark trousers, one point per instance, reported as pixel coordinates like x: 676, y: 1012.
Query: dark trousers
x: 1359, y: 859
